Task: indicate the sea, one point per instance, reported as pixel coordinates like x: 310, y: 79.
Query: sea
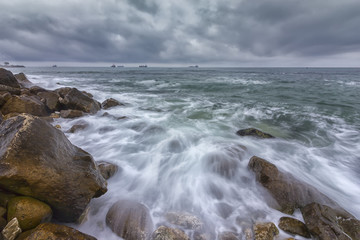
x: 175, y: 140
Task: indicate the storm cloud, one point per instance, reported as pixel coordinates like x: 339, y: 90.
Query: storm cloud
x: 159, y: 31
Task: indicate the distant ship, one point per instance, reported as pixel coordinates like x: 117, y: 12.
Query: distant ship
x: 195, y: 66
x: 142, y: 66
x: 113, y: 65
x: 54, y: 66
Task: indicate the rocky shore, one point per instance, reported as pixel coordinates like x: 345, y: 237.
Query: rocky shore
x: 46, y: 180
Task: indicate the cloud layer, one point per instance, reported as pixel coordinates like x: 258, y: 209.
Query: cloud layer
x: 204, y: 31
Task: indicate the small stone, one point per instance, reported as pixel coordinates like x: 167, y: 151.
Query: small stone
x: 107, y: 169
x: 58, y: 126
x: 166, y: 233
x: 78, y: 127
x: 265, y: 231
x: 108, y: 103
x: 55, y: 115
x: 253, y: 132
x: 294, y: 226
x: 11, y: 230
x: 71, y: 113
x: 185, y: 220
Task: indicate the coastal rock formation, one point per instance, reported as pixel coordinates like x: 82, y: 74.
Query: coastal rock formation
x: 130, y: 220
x: 72, y: 98
x: 108, y: 103
x: 51, y: 100
x: 37, y: 160
x: 329, y: 223
x: 25, y: 104
x: 22, y: 80
x: 71, y: 113
x: 36, y: 90
x: 107, y: 169
x: 265, y: 231
x: 11, y: 230
x: 289, y: 192
x: 29, y: 212
x: 294, y: 226
x: 253, y: 132
x: 10, y: 90
x: 54, y: 231
x: 166, y: 233
x: 8, y: 79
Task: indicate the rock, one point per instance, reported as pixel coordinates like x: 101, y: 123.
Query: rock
x: 36, y: 90
x: 1, y: 117
x: 51, y: 100
x: 3, y: 223
x: 21, y: 78
x: 130, y: 220
x: 5, y: 197
x: 166, y: 233
x: 38, y: 160
x: 228, y: 236
x: 10, y: 115
x: 52, y: 231
x: 71, y: 113
x: 107, y: 169
x: 24, y: 104
x: 109, y: 103
x: 253, y: 132
x: 8, y: 79
x: 55, y: 115
x: 329, y: 223
x: 2, y: 101
x: 294, y: 226
x: 265, y: 231
x: 289, y: 192
x: 26, y: 92
x: 72, y: 98
x: 78, y: 127
x: 185, y: 220
x: 29, y: 212
x: 57, y: 126
x: 224, y: 209
x: 11, y: 90
x: 11, y: 230
x: 6, y: 96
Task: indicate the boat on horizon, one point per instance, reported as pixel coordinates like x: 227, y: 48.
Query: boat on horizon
x: 143, y: 66
x: 194, y: 66
x: 54, y: 65
x: 113, y: 65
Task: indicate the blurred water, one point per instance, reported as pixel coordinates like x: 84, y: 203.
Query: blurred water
x: 178, y: 148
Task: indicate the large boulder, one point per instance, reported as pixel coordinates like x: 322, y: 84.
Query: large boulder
x: 30, y: 212
x: 25, y: 104
x: 328, y: 223
x: 253, y: 132
x: 109, y: 103
x: 8, y: 79
x: 71, y: 113
x: 185, y: 220
x: 265, y: 231
x: 51, y: 100
x: 130, y: 220
x: 289, y: 192
x: 52, y: 231
x: 72, y: 98
x: 11, y: 90
x: 166, y: 233
x: 37, y: 160
x: 294, y: 226
x: 22, y: 80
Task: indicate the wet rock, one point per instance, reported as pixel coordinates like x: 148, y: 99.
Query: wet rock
x: 52, y: 231
x: 72, y: 98
x: 2, y: 101
x: 228, y: 236
x: 289, y: 192
x: 25, y: 92
x: 8, y: 79
x: 37, y: 160
x: 265, y: 231
x: 21, y: 78
x: 24, y: 104
x: 109, y: 103
x: 11, y: 90
x: 253, y: 132
x: 329, y: 223
x: 106, y: 114
x: 166, y: 233
x: 78, y: 127
x: 185, y: 220
x: 11, y: 230
x: 29, y: 212
x: 107, y: 169
x: 36, y: 90
x: 10, y: 115
x: 294, y: 226
x: 221, y: 164
x: 55, y: 115
x: 51, y: 100
x: 130, y: 220
x: 224, y: 210
x: 71, y: 113
x: 6, y: 96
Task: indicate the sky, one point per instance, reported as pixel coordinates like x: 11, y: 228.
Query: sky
x: 240, y: 33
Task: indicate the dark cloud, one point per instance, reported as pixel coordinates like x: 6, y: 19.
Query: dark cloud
x: 158, y: 31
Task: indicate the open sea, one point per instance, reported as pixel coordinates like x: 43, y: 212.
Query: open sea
x: 180, y: 125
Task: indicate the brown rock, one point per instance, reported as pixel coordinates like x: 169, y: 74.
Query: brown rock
x: 8, y: 79
x: 328, y: 223
x: 71, y: 113
x: 72, y: 98
x: 289, y: 192
x: 109, y: 103
x: 6, y: 96
x: 29, y: 212
x: 51, y: 100
x: 294, y: 226
x: 11, y: 90
x: 2, y: 212
x: 24, y: 104
x: 77, y: 127
x: 2, y: 101
x: 107, y: 169
x: 11, y: 230
x: 52, y: 231
x: 37, y: 160
x: 130, y: 220
x: 185, y: 220
x: 21, y: 78
x: 265, y: 231
x: 253, y: 132
x: 166, y: 233
x: 36, y: 90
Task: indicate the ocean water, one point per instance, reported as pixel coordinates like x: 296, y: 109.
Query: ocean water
x: 177, y: 146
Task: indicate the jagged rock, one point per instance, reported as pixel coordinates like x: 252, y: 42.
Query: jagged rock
x: 37, y: 160
x: 289, y: 192
x: 130, y: 220
x: 36, y: 90
x: 253, y: 132
x: 109, y: 103
x: 185, y: 220
x: 51, y: 100
x: 24, y: 104
x: 77, y: 127
x: 72, y: 98
x: 8, y: 79
x: 294, y: 226
x: 107, y: 169
x: 11, y: 230
x: 166, y: 233
x: 328, y: 223
x: 21, y: 77
x: 228, y: 236
x: 265, y: 231
x: 11, y: 90
x: 30, y: 212
x: 52, y: 231
x: 71, y: 113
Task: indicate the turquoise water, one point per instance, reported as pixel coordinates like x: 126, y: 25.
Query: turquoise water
x: 181, y: 123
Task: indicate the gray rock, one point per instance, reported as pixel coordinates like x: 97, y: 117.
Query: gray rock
x: 294, y: 226
x: 11, y: 230
x: 185, y: 220
x: 51, y: 100
x: 109, y: 103
x: 11, y: 90
x: 166, y: 233
x: 8, y: 79
x: 107, y: 169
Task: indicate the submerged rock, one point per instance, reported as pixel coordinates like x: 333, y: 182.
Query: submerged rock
x: 228, y: 236
x: 77, y: 127
x: 130, y: 220
x: 294, y: 226
x: 166, y: 233
x: 289, y: 192
x: 71, y: 113
x: 265, y: 231
x: 11, y: 230
x: 107, y: 169
x: 185, y: 220
x: 109, y: 103
x: 8, y: 79
x: 72, y: 98
x: 37, y: 160
x: 329, y: 223
x: 253, y: 132
x: 25, y: 104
